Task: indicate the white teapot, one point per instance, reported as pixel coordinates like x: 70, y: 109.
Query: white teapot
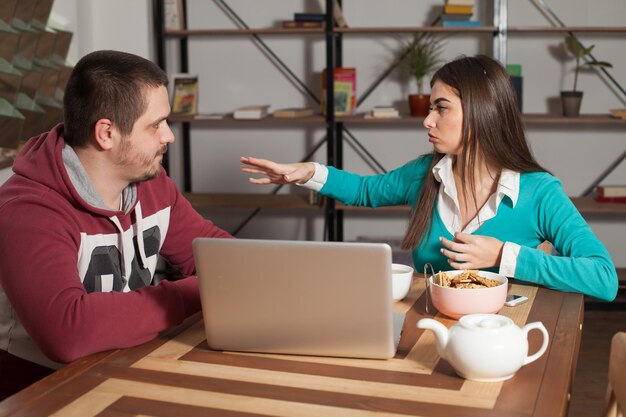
x: 485, y: 347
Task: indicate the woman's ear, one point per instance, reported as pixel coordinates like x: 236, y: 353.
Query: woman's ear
x: 105, y: 133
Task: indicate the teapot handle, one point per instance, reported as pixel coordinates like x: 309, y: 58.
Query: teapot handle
x: 539, y: 326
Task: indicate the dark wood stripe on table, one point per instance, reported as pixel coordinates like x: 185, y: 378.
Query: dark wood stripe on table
x: 116, y: 413
x: 128, y: 406
x: 410, y: 333
x: 445, y: 378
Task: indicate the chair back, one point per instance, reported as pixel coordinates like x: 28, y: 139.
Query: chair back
x: 616, y: 393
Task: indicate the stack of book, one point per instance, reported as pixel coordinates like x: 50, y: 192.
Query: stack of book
x: 252, y: 112
x: 305, y: 21
x: 294, y: 112
x: 383, y: 112
x: 458, y: 13
x: 611, y: 193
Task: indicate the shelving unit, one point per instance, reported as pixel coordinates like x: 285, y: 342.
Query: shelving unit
x: 335, y: 125
x: 586, y: 205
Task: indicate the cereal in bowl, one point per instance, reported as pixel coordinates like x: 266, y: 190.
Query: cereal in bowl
x: 468, y: 279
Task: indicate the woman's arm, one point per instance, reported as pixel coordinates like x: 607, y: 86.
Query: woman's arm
x: 582, y: 265
x: 400, y: 186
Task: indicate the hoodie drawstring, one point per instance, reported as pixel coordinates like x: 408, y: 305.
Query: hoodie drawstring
x: 120, y: 241
x: 139, y: 233
x: 143, y: 259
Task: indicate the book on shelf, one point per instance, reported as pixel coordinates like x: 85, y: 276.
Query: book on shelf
x: 292, y: 24
x: 384, y: 112
x: 252, y: 112
x: 455, y: 16
x: 456, y: 9
x: 210, y: 116
x: 619, y: 113
x: 293, y: 112
x: 611, y: 190
x: 461, y: 23
x: 515, y: 73
x: 185, y: 94
x: 460, y: 2
x: 340, y: 19
x: 173, y: 19
x: 344, y: 84
x: 621, y: 200
x: 309, y: 17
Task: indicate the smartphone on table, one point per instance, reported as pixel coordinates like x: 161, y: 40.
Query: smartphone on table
x: 515, y: 299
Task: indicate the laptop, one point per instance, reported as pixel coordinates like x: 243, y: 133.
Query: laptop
x: 297, y: 297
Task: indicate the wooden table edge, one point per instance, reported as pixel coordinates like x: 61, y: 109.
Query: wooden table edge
x: 51, y: 382
x: 32, y: 393
x: 547, y: 405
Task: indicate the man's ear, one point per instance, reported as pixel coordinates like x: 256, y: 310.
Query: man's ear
x: 105, y: 133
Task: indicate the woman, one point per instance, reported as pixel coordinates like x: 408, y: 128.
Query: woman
x: 480, y: 200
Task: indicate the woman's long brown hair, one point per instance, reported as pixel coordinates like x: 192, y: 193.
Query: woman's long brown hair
x: 492, y: 132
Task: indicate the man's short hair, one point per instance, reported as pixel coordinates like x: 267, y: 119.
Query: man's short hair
x: 110, y: 85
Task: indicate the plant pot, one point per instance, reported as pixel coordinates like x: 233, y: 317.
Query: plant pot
x: 570, y: 100
x: 419, y: 104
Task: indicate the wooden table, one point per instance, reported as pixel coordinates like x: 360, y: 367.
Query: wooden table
x: 177, y: 375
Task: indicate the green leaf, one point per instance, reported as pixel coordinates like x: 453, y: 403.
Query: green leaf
x: 574, y: 46
x: 588, y: 50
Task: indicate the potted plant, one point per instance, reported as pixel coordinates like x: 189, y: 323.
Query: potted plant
x: 420, y: 58
x: 571, y: 100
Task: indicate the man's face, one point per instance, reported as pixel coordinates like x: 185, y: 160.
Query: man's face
x: 140, y: 154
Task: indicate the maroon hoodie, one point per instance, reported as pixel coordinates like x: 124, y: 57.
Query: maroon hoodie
x: 74, y: 278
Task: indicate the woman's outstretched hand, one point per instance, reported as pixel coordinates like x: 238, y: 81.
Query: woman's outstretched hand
x: 275, y: 173
x: 472, y: 251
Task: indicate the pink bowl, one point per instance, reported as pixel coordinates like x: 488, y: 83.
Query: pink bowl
x: 457, y: 302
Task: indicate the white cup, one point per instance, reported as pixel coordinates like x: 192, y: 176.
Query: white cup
x: 401, y: 279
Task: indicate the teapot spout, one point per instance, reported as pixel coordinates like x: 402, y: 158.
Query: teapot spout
x: 441, y: 334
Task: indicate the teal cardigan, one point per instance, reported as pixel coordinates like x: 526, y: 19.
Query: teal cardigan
x: 543, y: 212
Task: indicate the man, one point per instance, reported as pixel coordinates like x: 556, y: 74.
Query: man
x: 85, y: 216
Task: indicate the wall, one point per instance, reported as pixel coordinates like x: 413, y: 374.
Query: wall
x: 234, y: 71
x: 111, y: 24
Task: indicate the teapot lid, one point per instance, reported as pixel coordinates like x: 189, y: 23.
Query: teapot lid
x: 485, y: 321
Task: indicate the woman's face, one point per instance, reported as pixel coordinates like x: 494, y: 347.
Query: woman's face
x: 445, y: 120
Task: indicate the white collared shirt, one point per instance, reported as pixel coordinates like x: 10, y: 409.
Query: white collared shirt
x: 450, y: 212
x: 448, y: 204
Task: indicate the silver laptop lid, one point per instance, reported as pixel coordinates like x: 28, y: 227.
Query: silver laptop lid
x: 296, y: 297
